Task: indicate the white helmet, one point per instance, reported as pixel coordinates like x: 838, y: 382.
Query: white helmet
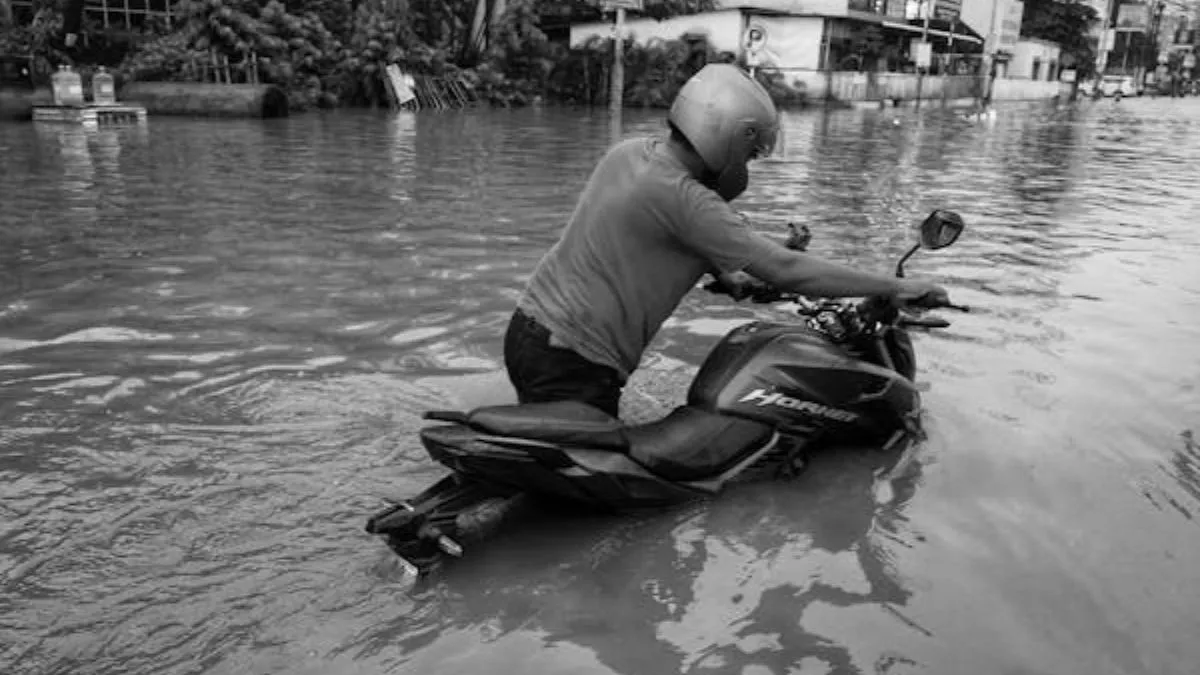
x: 729, y: 119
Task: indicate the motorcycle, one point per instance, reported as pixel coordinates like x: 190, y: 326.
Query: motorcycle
x: 766, y: 396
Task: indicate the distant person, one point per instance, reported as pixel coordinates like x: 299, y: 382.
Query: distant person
x: 653, y: 218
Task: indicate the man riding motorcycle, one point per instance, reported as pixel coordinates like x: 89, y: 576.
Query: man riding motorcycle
x: 653, y: 218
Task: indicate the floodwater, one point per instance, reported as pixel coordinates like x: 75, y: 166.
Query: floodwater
x: 216, y: 338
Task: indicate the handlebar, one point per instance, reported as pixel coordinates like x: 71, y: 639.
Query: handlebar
x: 768, y: 294
x: 871, y: 310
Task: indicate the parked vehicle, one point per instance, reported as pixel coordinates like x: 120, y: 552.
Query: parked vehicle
x: 1119, y: 85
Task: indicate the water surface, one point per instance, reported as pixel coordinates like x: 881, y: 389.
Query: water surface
x: 216, y: 339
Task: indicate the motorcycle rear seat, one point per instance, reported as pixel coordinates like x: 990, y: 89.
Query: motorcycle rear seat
x: 566, y: 422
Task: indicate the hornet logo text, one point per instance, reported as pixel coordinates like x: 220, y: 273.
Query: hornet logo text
x: 762, y: 397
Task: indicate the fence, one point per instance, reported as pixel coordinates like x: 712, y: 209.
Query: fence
x: 217, y: 68
x: 419, y: 92
x: 858, y: 87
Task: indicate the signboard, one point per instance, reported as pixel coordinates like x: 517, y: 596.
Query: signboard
x: 1189, y: 61
x: 402, y: 84
x: 1067, y: 75
x: 1133, y: 17
x: 948, y: 10
x: 1010, y: 26
x: 780, y: 45
x: 612, y: 5
x: 922, y: 53
x: 755, y: 38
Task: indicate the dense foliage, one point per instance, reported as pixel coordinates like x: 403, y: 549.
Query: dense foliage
x: 336, y: 51
x: 1067, y: 22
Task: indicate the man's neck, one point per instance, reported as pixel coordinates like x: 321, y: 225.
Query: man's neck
x: 687, y: 157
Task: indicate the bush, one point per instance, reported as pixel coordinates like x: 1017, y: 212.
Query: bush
x: 296, y: 52
x: 654, y: 72
x: 321, y: 52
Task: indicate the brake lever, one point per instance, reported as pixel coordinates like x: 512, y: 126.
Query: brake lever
x: 960, y: 308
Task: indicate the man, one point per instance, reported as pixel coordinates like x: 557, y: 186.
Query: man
x: 652, y: 220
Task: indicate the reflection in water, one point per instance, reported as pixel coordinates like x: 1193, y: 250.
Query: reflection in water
x: 1186, y: 465
x: 707, y: 588
x: 216, y: 338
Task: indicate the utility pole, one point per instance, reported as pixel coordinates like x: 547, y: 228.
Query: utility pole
x: 991, y: 46
x: 617, y: 95
x: 1102, y: 55
x: 617, y: 74
x: 927, y: 50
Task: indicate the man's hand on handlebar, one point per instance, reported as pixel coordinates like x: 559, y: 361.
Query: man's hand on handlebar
x: 914, y: 293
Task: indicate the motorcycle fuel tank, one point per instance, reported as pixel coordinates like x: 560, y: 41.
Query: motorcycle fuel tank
x: 794, y: 377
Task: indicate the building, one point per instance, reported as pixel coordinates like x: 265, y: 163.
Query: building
x: 126, y: 14
x: 865, y: 49
x: 797, y: 36
x: 1035, y: 60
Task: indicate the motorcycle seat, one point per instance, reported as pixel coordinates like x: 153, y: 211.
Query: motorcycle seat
x: 692, y: 444
x: 689, y: 444
x: 566, y: 422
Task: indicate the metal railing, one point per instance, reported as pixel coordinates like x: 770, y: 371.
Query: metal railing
x: 219, y: 69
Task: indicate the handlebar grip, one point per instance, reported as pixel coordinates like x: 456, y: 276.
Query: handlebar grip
x: 925, y: 322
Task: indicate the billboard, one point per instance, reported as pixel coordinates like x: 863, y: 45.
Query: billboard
x: 631, y: 5
x: 947, y: 10
x: 1133, y: 17
x: 1010, y: 25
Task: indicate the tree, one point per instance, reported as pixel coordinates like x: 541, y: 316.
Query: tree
x: 1068, y: 23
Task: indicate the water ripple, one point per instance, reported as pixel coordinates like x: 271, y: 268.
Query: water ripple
x: 216, y: 338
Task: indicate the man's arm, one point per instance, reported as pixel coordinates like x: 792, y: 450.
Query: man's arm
x: 713, y: 230
x: 808, y: 275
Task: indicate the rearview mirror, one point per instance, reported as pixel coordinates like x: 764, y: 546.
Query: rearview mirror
x: 941, y: 229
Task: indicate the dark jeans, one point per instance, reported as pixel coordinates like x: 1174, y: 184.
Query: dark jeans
x: 543, y: 373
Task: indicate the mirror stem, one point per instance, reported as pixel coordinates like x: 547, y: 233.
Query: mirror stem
x: 900, y: 265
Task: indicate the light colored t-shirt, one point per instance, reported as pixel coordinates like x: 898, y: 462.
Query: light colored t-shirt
x: 642, y: 234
